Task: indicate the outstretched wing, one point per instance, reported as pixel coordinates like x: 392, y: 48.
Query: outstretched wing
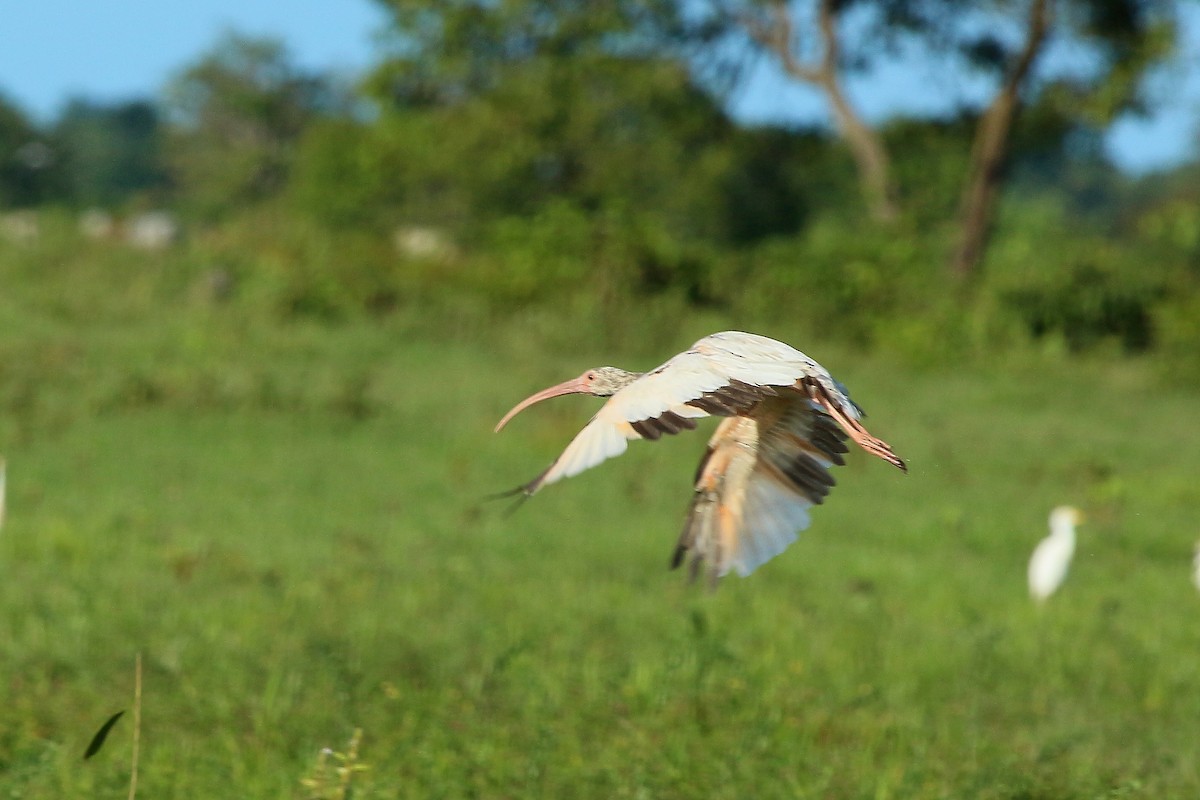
x: 601, y: 439
x: 725, y: 374
x: 756, y: 483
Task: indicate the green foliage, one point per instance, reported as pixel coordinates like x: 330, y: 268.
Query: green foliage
x: 1089, y: 288
x: 445, y: 53
x: 238, y: 113
x: 282, y: 513
x: 342, y: 179
x: 108, y: 154
x: 526, y: 154
x: 601, y: 133
x: 23, y: 159
x: 930, y: 158
x: 333, y: 775
x: 778, y: 180
x: 1087, y: 304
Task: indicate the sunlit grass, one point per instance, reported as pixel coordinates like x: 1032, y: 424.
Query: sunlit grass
x: 287, y: 522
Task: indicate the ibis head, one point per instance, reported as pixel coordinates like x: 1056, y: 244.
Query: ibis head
x: 600, y: 381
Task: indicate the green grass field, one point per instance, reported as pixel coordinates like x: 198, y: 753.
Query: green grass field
x: 285, y: 522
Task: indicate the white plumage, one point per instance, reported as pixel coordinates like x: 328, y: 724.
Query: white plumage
x: 1196, y: 566
x: 786, y: 422
x: 1052, y: 556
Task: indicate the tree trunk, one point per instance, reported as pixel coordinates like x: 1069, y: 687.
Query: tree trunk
x: 985, y: 173
x: 870, y: 157
x: 866, y: 146
x: 989, y: 152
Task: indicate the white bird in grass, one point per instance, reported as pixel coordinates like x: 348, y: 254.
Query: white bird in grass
x: 1052, y: 556
x: 787, y: 421
x: 1196, y: 566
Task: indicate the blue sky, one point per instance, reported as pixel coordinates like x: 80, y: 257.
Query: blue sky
x: 51, y: 50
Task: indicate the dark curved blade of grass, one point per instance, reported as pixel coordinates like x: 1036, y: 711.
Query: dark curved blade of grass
x: 102, y: 734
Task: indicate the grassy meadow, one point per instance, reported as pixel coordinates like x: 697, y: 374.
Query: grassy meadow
x: 284, y: 518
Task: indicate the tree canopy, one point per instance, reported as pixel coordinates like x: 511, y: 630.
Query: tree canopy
x: 109, y: 152
x: 237, y: 115
x: 531, y: 152
x: 24, y: 159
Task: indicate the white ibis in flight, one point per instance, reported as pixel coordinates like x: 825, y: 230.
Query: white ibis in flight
x: 786, y: 423
x: 1050, y: 559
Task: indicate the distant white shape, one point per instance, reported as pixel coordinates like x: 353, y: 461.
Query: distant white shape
x: 20, y: 227
x: 97, y: 224
x: 1052, y: 556
x: 153, y: 230
x: 1196, y: 566
x: 421, y: 242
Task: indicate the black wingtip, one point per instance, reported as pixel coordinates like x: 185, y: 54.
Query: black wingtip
x: 521, y: 493
x: 102, y: 734
x: 677, y: 556
x: 506, y: 494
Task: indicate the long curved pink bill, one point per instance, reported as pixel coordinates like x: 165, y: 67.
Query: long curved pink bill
x: 573, y: 386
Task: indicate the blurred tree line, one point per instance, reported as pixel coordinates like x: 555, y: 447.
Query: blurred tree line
x: 540, y: 152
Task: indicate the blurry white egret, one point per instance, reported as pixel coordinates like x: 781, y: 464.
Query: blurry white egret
x: 1196, y: 566
x: 1052, y: 556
